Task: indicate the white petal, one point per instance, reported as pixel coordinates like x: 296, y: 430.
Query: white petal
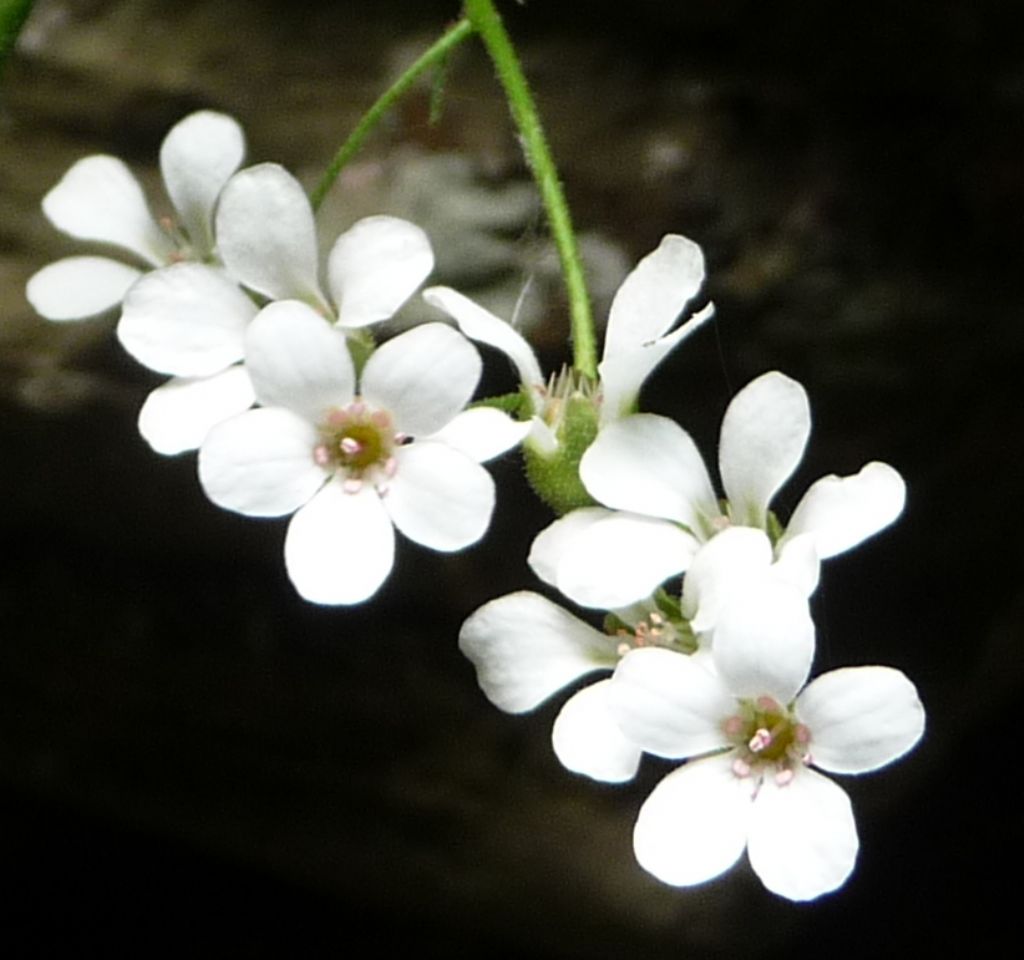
x: 803, y: 838
x: 654, y: 294
x: 840, y: 512
x: 587, y: 739
x: 100, y: 199
x: 177, y: 416
x: 525, y: 648
x: 482, y: 325
x: 482, y: 433
x: 340, y: 547
x: 670, y: 705
x: 266, y: 234
x: 78, y: 287
x: 620, y: 559
x: 187, y: 319
x: 298, y: 361
x: 623, y: 373
x: 860, y: 718
x: 719, y: 572
x: 260, y: 463
x: 424, y: 376
x: 797, y: 562
x: 375, y: 266
x: 438, y: 497
x: 764, y: 433
x: 552, y: 543
x: 693, y: 826
x: 648, y: 464
x: 764, y: 640
x: 197, y: 157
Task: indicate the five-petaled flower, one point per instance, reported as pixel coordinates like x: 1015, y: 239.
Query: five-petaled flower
x: 660, y: 507
x: 756, y: 736
x: 351, y: 460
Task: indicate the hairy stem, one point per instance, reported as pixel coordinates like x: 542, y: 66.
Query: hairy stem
x: 430, y: 58
x: 488, y: 25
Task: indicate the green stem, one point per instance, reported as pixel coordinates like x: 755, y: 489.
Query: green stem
x: 492, y: 32
x: 13, y: 14
x: 432, y: 57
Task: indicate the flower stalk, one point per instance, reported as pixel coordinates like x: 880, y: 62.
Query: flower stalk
x: 432, y: 57
x: 487, y: 23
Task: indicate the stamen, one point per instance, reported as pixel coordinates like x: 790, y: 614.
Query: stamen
x: 352, y: 485
x: 321, y: 455
x: 350, y: 445
x: 733, y: 726
x: 761, y: 739
x: 768, y: 705
x: 622, y: 649
x: 390, y: 467
x: 741, y: 768
x: 381, y: 418
x: 784, y: 776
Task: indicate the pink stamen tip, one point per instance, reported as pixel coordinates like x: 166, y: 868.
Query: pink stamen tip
x: 783, y: 777
x: 401, y: 438
x: 802, y: 734
x: 390, y: 467
x: 357, y: 409
x: 741, y: 768
x: 352, y: 485
x: 381, y: 418
x: 337, y: 418
x: 733, y: 726
x: 657, y: 619
x: 321, y: 455
x: 350, y: 445
x: 768, y: 705
x: 761, y: 739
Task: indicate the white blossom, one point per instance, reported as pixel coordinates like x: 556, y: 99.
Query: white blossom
x: 756, y: 738
x: 353, y: 460
x: 639, y: 335
x: 659, y: 505
x: 99, y: 199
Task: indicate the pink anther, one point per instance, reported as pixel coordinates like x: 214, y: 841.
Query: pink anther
x: 350, y: 445
x: 321, y: 455
x: 741, y: 768
x: 784, y: 776
x: 761, y: 739
x: 352, y: 485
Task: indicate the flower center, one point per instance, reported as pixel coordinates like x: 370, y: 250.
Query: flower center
x: 357, y: 442
x: 656, y: 630
x: 766, y: 735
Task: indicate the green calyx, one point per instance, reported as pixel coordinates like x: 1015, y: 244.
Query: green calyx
x: 555, y: 474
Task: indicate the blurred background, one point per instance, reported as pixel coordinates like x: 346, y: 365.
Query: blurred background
x: 190, y: 755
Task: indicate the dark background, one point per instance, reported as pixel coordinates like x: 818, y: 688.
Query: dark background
x: 191, y: 756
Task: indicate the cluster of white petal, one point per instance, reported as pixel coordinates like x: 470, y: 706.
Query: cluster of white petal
x: 231, y: 300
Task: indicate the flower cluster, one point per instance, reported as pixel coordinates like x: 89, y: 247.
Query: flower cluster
x: 278, y: 380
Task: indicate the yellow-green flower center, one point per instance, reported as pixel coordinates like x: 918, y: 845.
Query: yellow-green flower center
x: 766, y: 734
x: 357, y: 442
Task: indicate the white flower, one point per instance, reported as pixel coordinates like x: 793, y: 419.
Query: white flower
x: 189, y: 320
x: 638, y: 336
x: 660, y: 505
x: 266, y: 234
x: 351, y: 462
x: 526, y: 648
x: 99, y: 199
x: 757, y: 738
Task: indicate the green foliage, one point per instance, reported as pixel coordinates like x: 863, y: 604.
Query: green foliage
x: 13, y: 14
